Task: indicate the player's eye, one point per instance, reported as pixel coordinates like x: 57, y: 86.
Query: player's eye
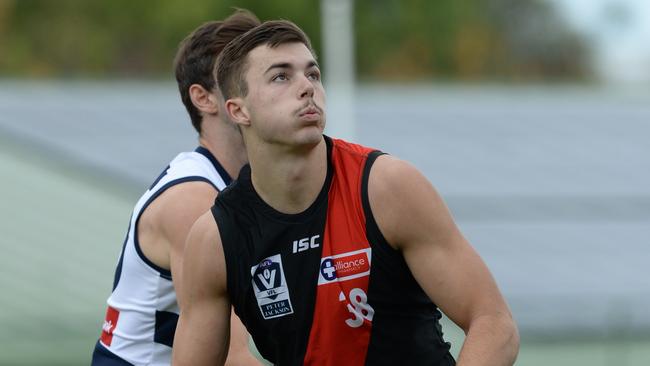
x: 314, y: 76
x: 280, y: 77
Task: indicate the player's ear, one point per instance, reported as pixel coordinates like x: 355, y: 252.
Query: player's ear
x: 237, y: 111
x: 203, y: 100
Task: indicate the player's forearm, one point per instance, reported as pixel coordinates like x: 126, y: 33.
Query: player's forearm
x: 202, y: 335
x: 242, y: 359
x: 190, y: 349
x: 239, y: 353
x: 491, y: 340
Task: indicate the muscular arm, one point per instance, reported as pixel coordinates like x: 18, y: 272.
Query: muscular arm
x: 202, y: 335
x: 414, y: 219
x: 173, y: 215
x: 164, y: 228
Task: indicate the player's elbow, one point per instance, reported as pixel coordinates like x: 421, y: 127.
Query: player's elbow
x: 512, y: 339
x: 506, y: 329
x: 499, y: 334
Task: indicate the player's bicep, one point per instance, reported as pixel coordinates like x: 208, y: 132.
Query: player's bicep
x: 415, y: 220
x: 203, y: 328
x: 183, y: 205
x: 455, y: 278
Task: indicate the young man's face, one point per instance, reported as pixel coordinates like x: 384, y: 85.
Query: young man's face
x: 285, y: 100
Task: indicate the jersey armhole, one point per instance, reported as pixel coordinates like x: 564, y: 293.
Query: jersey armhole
x: 228, y: 251
x: 373, y: 233
x: 164, y: 273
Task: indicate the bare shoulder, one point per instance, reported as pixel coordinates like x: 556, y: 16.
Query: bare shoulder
x: 204, y: 231
x: 164, y: 224
x: 186, y: 199
x: 180, y: 205
x: 404, y: 202
x: 389, y: 173
x: 204, y: 262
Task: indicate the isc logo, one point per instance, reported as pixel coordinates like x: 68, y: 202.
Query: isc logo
x: 305, y: 243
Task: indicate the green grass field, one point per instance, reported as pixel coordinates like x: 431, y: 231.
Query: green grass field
x: 61, y: 235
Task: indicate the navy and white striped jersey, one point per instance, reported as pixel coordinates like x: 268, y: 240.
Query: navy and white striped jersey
x: 142, y: 308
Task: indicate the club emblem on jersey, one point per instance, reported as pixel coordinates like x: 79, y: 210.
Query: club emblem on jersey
x: 270, y: 288
x: 343, y: 267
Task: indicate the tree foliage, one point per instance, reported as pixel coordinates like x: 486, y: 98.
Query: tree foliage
x: 395, y: 40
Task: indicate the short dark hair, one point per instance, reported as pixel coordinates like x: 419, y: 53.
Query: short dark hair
x: 232, y: 62
x: 197, y: 54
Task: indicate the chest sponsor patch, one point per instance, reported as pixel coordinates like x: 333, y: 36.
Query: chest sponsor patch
x: 270, y: 288
x: 343, y: 267
x: 110, y: 322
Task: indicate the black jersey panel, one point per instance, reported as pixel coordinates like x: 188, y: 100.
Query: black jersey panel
x: 272, y: 261
x: 401, y: 306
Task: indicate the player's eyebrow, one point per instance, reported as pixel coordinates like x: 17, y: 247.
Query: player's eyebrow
x: 288, y: 65
x: 279, y: 65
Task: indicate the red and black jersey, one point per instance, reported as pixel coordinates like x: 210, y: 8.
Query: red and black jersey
x: 323, y: 287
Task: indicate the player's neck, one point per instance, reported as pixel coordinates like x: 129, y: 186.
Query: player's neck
x: 226, y: 144
x: 290, y: 183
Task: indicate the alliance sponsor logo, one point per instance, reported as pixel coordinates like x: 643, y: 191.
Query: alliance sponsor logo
x: 346, y: 266
x: 270, y: 288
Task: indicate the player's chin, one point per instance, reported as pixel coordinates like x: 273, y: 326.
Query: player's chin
x: 310, y: 135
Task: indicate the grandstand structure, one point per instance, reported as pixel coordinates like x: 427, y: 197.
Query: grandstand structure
x: 550, y: 184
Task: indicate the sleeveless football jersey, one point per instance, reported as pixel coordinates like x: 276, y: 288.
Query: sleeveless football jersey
x: 323, y: 287
x: 142, y: 309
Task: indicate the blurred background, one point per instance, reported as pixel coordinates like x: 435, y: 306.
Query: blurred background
x: 531, y: 117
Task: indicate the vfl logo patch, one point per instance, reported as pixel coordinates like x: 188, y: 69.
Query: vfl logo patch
x: 271, y: 288
x: 343, y: 267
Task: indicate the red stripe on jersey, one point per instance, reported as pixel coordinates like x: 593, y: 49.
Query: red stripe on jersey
x: 342, y: 322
